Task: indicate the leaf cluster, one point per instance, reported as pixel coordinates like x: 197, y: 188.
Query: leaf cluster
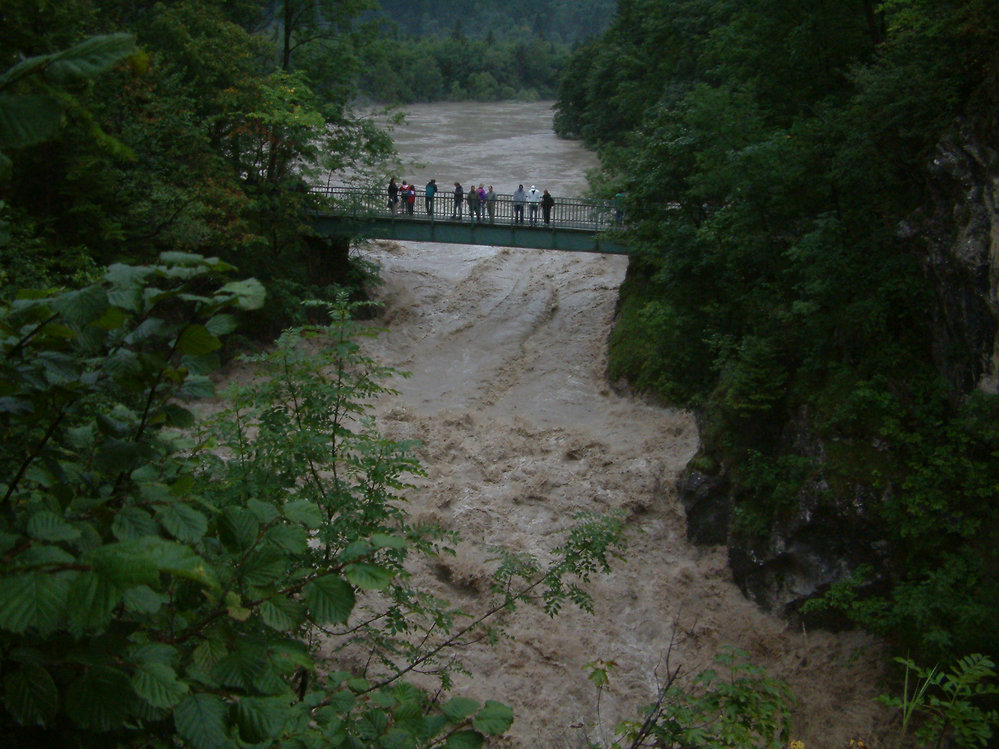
x: 154, y: 584
x: 945, y: 704
x: 734, y: 705
x: 193, y: 138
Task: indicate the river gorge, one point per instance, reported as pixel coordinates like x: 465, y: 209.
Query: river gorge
x: 520, y: 430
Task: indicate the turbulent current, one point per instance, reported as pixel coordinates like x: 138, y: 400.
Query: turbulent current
x: 520, y: 431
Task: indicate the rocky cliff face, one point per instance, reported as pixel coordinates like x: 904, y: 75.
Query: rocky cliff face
x: 959, y: 234
x: 821, y: 540
x: 829, y: 534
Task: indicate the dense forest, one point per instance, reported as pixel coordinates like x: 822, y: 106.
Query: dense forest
x: 781, y: 166
x: 480, y: 51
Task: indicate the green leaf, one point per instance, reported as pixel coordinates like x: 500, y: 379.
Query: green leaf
x: 248, y: 294
x: 133, y: 522
x: 92, y: 599
x: 264, y: 566
x: 124, y: 566
x: 265, y: 512
x: 209, y: 653
x: 242, y: 668
x: 355, y: 550
x: 384, y: 541
x: 282, y: 614
x: 33, y: 599
x: 458, y: 708
x: 290, y: 538
x: 329, y: 599
x: 142, y: 599
x: 288, y: 656
x: 153, y: 653
x: 431, y: 725
x: 28, y: 119
x: 196, y: 386
x: 493, y: 719
x: 158, y: 685
x: 261, y: 718
x: 195, y: 340
x: 368, y: 576
x: 30, y: 695
x: 304, y: 512
x: 178, y: 416
x: 200, y: 720
x: 410, y: 702
x: 182, y: 522
x: 90, y: 57
x: 343, y: 701
x: 397, y: 738
x: 99, y: 700
x: 47, y: 526
x: 464, y: 740
x: 182, y: 259
x: 238, y: 528
x: 222, y: 325
x: 153, y: 553
x: 82, y: 306
x: 112, y: 319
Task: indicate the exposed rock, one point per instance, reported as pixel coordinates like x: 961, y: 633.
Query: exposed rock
x: 829, y: 534
x: 824, y: 538
x: 706, y: 502
x: 956, y: 236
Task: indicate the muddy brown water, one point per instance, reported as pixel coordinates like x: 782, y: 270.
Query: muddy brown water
x: 520, y: 430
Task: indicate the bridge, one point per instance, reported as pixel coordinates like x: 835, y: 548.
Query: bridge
x: 575, y: 224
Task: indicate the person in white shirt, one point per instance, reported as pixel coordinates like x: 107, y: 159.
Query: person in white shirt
x: 533, y: 201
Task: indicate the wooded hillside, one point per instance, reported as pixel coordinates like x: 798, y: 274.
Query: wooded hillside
x: 787, y: 171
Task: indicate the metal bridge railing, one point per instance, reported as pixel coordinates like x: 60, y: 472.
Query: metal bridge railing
x: 584, y: 214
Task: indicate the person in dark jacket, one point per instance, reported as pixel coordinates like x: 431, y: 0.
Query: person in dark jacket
x: 547, y: 203
x: 474, y: 214
x: 393, y: 195
x: 459, y: 197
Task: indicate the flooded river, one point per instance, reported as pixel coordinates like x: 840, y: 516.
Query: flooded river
x: 520, y: 431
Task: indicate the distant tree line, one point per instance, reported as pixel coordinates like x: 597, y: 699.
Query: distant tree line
x: 482, y: 52
x: 459, y: 69
x: 559, y: 21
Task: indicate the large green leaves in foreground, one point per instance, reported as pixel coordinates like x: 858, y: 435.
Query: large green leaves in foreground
x: 29, y: 118
x: 143, y: 597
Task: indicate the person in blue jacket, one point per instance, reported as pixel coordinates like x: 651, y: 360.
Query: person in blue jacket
x: 429, y: 192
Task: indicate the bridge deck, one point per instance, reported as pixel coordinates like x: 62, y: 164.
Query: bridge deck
x: 577, y: 225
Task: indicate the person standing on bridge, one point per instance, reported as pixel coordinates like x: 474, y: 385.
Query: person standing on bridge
x: 393, y: 195
x: 533, y: 200
x: 491, y: 204
x: 547, y: 203
x: 474, y: 211
x: 459, y: 196
x: 429, y: 192
x: 408, y: 196
x: 519, y: 198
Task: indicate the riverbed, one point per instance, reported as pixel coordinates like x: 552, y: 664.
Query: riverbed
x: 521, y: 430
